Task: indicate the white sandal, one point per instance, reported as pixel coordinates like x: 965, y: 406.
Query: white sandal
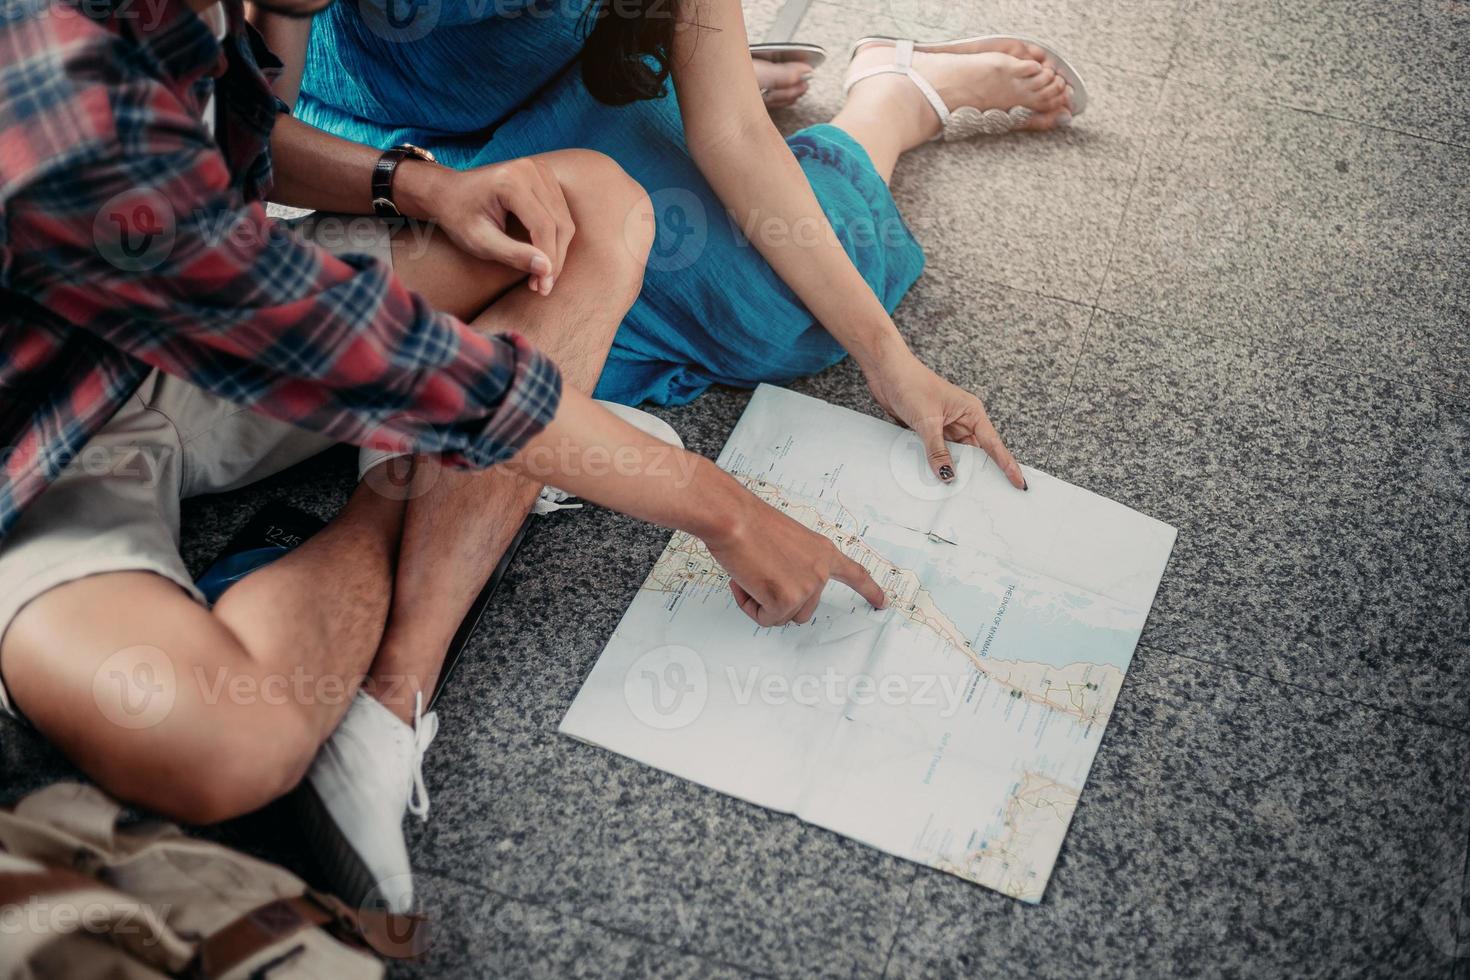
x: 780, y: 52
x: 966, y: 121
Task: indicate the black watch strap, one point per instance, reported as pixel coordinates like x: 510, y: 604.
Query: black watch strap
x: 383, y: 172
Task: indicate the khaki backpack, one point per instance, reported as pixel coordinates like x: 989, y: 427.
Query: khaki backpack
x: 82, y: 896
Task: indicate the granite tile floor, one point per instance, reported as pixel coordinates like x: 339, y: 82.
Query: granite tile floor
x: 1236, y: 295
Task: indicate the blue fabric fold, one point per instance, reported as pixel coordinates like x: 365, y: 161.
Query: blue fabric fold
x: 485, y: 83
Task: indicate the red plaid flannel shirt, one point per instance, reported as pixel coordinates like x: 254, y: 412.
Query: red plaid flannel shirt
x: 131, y: 239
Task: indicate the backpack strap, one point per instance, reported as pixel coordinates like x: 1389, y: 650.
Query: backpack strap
x: 388, y: 934
x: 396, y: 936
x: 260, y: 928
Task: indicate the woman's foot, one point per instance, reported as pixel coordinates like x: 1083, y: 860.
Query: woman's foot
x: 993, y: 74
x: 781, y: 83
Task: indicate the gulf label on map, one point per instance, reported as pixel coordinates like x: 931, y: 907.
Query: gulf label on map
x: 955, y: 727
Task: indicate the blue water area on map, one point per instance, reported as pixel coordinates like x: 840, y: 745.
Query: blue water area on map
x: 1040, y: 625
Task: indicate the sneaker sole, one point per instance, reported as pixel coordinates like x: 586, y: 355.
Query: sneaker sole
x: 348, y: 873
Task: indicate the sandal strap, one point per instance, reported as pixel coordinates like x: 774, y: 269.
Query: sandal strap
x: 903, y: 64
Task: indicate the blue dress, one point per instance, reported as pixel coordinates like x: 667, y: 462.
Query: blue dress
x: 481, y: 81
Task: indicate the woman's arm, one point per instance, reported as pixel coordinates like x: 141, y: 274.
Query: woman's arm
x: 747, y: 162
x: 751, y: 169
x: 287, y: 37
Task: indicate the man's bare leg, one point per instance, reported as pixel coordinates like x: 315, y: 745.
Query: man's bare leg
x: 232, y: 733
x: 457, y: 525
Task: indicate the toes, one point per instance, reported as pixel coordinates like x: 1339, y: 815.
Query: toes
x: 780, y: 98
x: 1049, y: 120
x: 1043, y: 78
x: 1029, y: 70
x: 773, y: 75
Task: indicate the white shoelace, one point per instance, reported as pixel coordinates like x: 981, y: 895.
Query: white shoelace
x: 553, y: 500
x: 424, y: 730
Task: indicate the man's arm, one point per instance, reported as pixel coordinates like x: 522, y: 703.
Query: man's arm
x: 323, y: 172
x: 777, y: 567
x: 475, y: 208
x: 145, y: 249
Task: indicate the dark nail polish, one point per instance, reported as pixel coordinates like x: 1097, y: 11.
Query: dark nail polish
x: 1024, y: 484
x: 946, y: 473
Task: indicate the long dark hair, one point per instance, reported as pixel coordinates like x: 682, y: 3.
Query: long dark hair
x: 626, y: 56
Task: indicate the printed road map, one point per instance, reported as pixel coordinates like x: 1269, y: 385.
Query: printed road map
x: 954, y: 728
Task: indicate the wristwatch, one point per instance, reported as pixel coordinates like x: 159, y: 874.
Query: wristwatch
x: 383, y: 172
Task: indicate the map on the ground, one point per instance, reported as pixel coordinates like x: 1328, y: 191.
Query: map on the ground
x: 954, y: 728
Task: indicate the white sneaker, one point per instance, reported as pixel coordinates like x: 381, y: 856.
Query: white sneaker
x: 553, y: 499
x: 363, y: 780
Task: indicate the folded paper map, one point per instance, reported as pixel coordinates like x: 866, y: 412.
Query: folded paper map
x: 955, y: 727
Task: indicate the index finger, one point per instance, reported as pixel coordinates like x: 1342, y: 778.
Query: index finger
x: 989, y: 440
x: 856, y: 577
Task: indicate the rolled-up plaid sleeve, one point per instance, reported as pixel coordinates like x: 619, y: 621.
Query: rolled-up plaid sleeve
x: 145, y: 246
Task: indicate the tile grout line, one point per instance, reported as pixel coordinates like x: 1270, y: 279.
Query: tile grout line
x: 902, y: 917
x: 1173, y: 55
x: 1317, y: 366
x: 1321, y: 114
x: 1397, y: 712
x: 1071, y: 382
x: 1168, y: 75
x: 1143, y: 157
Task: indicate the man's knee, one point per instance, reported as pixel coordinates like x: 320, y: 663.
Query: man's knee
x: 612, y: 212
x: 228, y: 766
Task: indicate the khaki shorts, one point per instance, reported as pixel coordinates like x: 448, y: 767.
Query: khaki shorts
x: 116, y: 507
